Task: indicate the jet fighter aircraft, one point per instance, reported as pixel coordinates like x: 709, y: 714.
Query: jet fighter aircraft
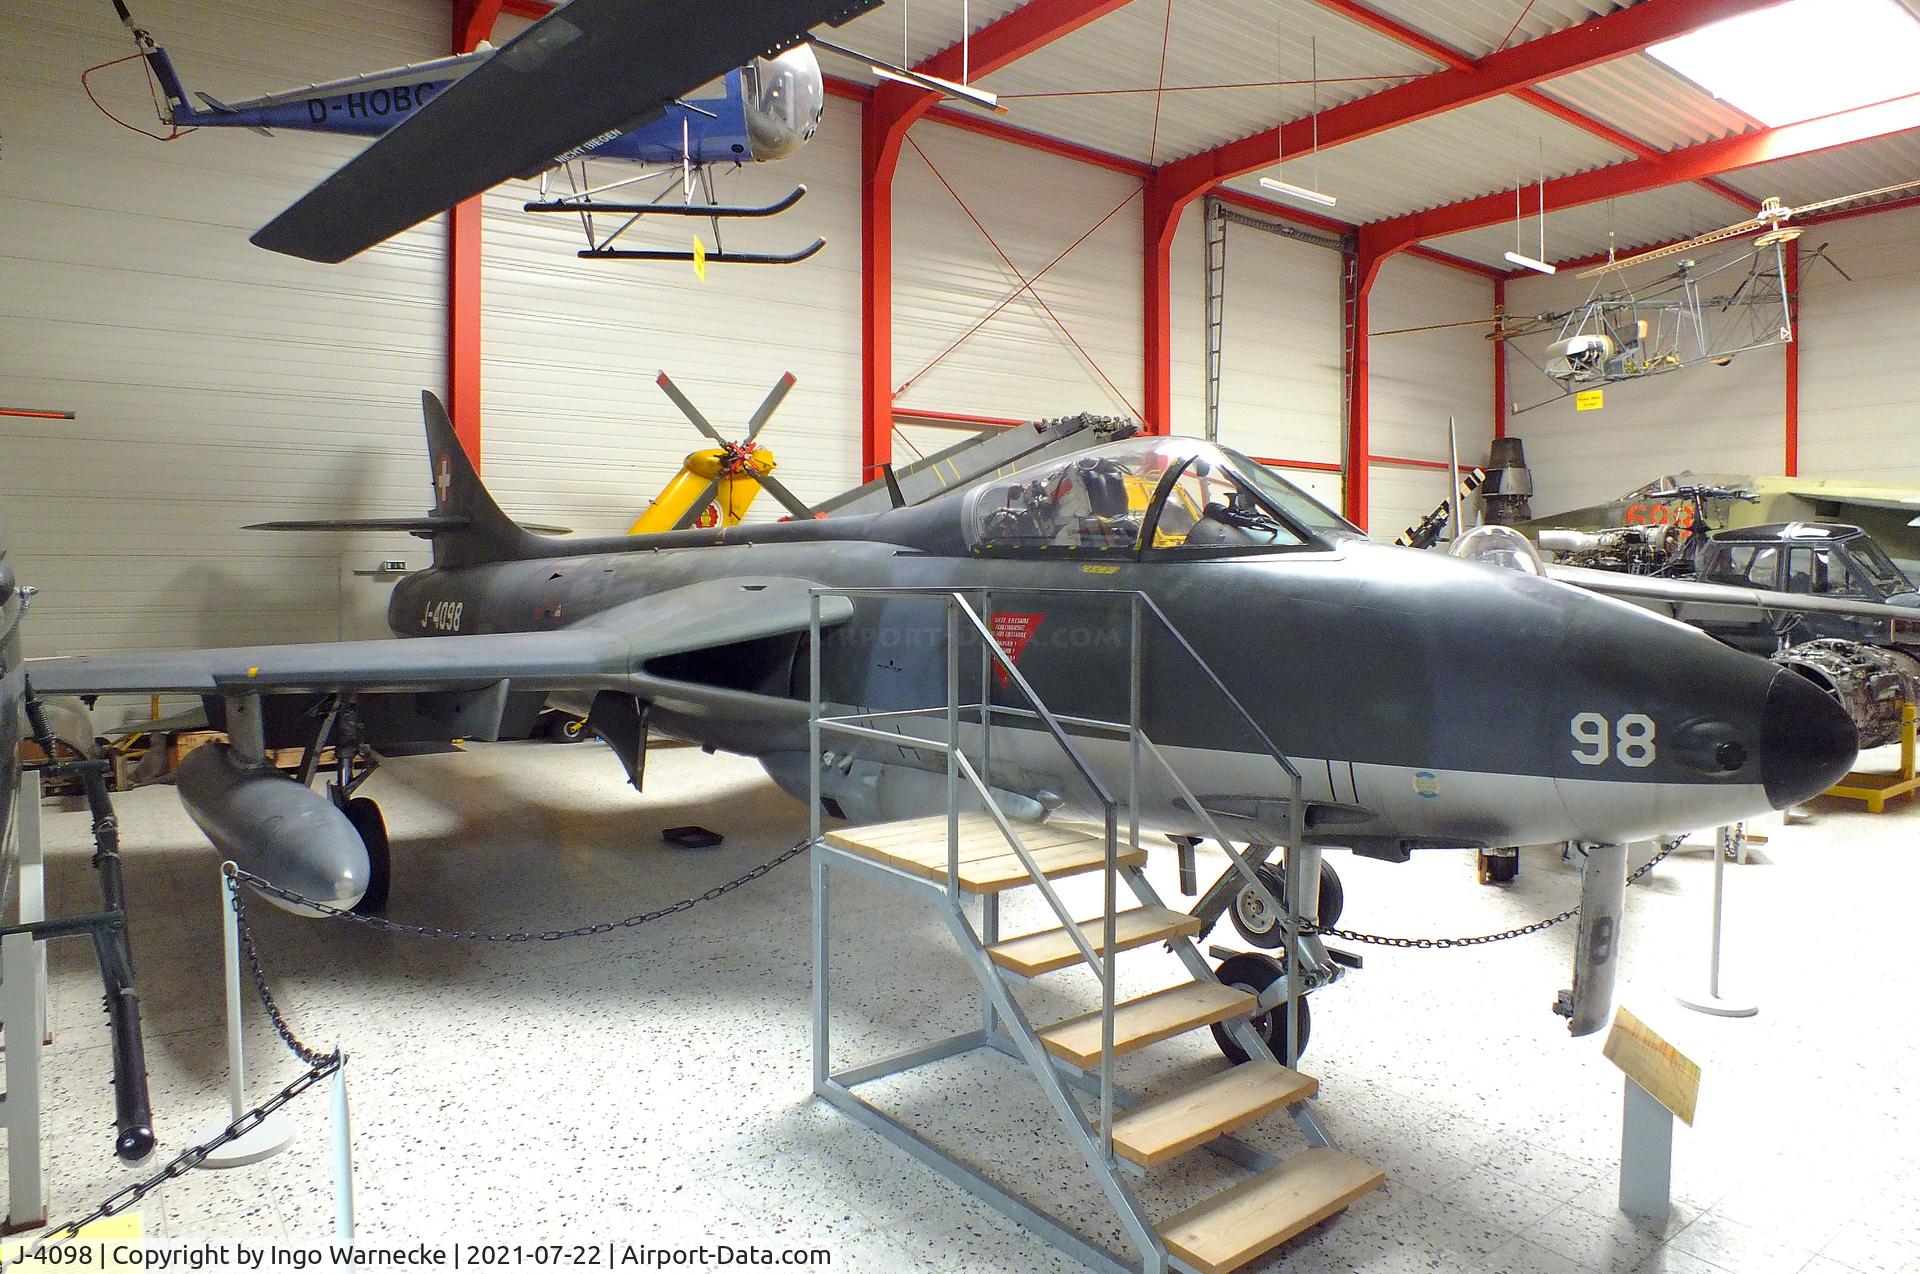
x: 1427, y: 701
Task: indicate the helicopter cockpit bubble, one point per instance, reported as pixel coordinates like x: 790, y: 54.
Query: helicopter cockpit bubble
x: 784, y: 99
x: 1499, y: 546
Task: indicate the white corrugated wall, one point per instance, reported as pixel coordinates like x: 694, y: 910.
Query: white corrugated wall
x: 1705, y: 418
x: 1075, y: 348
x: 573, y: 422
x: 215, y: 383
x: 1418, y: 379
x: 1859, y: 397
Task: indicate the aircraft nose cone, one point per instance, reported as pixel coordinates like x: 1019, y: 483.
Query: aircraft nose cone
x: 1807, y: 740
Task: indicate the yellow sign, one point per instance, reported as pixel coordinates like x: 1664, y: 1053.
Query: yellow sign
x: 700, y: 258
x: 104, y: 1243
x: 1590, y: 400
x: 1668, y: 1075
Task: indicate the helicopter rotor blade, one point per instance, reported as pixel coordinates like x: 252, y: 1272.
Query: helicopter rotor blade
x: 769, y: 405
x: 694, y: 510
x: 1804, y: 209
x: 778, y: 490
x: 1674, y: 249
x: 687, y: 409
x: 587, y: 71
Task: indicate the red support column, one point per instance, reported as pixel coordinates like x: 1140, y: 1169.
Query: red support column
x: 1359, y: 441
x: 463, y: 325
x: 1793, y: 361
x: 884, y: 121
x: 1500, y: 364
x: 1159, y: 220
x: 472, y: 22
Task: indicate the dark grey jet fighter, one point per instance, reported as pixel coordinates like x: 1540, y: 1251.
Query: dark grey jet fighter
x: 1427, y: 701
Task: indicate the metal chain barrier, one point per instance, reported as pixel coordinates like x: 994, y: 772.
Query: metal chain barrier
x: 551, y: 935
x: 1441, y: 944
x: 313, y: 1057
x: 188, y: 1159
x: 322, y: 1065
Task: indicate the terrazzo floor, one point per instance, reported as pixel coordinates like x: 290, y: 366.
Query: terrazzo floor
x: 653, y: 1084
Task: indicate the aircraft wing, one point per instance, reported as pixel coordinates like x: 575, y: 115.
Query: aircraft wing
x: 603, y: 651
x: 585, y: 72
x: 1673, y: 594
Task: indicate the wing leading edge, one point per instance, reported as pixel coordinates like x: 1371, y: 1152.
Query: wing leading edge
x: 606, y: 651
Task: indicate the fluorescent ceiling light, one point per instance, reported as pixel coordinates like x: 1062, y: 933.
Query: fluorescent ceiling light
x: 1297, y: 192
x: 1802, y: 59
x: 1530, y: 263
x: 965, y: 92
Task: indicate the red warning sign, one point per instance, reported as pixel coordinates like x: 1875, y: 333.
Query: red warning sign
x: 1012, y: 632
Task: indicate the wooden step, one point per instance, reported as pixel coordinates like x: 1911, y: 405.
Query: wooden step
x: 1259, y: 1214
x: 977, y: 831
x: 1051, y: 949
x: 1147, y: 1020
x: 1153, y: 1133
x: 987, y: 863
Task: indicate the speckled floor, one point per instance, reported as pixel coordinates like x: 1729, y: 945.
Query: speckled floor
x: 653, y: 1084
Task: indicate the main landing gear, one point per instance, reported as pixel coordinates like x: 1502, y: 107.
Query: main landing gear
x: 354, y: 763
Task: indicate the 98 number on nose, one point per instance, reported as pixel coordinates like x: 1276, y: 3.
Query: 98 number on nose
x: 1630, y: 740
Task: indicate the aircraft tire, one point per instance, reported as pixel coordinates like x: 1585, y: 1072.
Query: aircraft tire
x: 1254, y: 973
x: 1502, y: 868
x: 1261, y: 930
x: 372, y: 826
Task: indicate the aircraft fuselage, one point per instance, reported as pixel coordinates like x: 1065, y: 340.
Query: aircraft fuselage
x: 1425, y: 701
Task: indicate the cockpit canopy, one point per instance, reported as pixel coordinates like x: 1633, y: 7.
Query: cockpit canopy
x: 784, y: 98
x: 1175, y: 494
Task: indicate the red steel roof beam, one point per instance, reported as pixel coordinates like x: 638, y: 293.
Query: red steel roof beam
x: 1636, y: 176
x: 1508, y: 70
x: 1453, y: 59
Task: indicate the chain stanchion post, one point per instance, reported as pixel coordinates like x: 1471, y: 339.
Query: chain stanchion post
x: 274, y: 1133
x: 23, y: 1008
x: 342, y: 1152
x: 1726, y: 842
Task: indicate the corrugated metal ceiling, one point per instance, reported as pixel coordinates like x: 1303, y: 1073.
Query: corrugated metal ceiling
x: 928, y: 28
x: 1478, y: 27
x: 1832, y: 173
x: 1208, y: 42
x: 1459, y: 155
x: 1456, y: 156
x: 1636, y: 221
x: 1644, y: 99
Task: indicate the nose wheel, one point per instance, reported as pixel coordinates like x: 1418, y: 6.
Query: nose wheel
x: 1254, y: 972
x: 1255, y: 920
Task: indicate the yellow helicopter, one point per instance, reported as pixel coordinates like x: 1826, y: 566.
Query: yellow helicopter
x: 716, y: 485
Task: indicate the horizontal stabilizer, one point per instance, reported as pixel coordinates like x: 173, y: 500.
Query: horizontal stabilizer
x: 427, y: 527
x: 434, y: 524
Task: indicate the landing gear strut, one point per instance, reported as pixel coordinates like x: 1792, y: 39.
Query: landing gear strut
x: 354, y: 762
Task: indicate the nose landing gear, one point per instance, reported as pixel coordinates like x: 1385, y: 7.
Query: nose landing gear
x: 1254, y: 972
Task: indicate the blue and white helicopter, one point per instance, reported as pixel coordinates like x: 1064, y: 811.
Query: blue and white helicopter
x: 761, y: 111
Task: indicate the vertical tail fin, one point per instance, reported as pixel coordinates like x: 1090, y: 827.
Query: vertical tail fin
x: 489, y: 535
x: 158, y: 61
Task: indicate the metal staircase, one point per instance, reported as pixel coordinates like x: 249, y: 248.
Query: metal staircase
x: 960, y: 862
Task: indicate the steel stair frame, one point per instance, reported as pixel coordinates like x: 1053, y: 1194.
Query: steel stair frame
x: 1004, y: 1026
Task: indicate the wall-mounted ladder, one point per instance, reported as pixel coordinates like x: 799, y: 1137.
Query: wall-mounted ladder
x: 961, y: 860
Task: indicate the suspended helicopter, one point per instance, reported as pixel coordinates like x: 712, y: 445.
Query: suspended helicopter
x: 760, y: 111
x: 1624, y: 332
